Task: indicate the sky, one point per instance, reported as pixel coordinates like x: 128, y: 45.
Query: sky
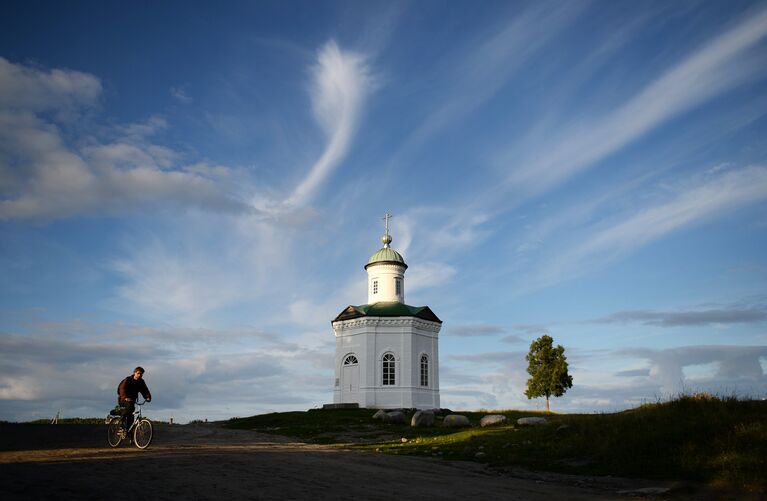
x: 196, y: 188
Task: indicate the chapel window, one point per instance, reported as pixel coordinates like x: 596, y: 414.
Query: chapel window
x: 424, y: 370
x: 398, y: 285
x: 388, y: 369
x: 375, y: 286
x: 350, y: 360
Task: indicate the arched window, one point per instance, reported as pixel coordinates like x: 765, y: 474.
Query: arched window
x: 388, y: 369
x: 424, y: 370
x: 350, y: 360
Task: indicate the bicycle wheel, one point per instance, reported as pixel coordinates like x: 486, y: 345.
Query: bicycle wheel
x: 115, y: 432
x: 142, y: 434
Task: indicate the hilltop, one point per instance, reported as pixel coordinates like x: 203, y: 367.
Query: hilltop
x: 701, y: 438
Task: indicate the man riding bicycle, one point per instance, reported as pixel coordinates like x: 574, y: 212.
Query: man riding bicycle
x: 128, y: 392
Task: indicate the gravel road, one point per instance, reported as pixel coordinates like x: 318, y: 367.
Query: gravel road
x: 210, y: 462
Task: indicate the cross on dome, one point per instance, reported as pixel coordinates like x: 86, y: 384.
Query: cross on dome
x: 386, y: 239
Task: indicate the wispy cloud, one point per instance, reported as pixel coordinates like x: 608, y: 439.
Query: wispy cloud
x: 718, y: 66
x: 719, y: 316
x: 531, y: 329
x: 181, y: 94
x: 342, y: 81
x: 468, y: 330
x: 483, y: 68
x: 496, y: 356
x: 188, y: 268
x: 717, y: 194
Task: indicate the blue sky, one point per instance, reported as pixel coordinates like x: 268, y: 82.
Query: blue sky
x: 196, y: 189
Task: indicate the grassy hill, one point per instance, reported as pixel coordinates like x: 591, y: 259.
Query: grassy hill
x: 696, y: 437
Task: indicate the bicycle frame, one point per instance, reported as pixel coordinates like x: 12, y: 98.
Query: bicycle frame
x: 136, y: 417
x: 117, y: 431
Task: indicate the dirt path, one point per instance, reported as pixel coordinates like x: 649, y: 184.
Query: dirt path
x: 209, y: 462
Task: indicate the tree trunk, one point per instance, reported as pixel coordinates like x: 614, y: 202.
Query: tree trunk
x: 547, y: 405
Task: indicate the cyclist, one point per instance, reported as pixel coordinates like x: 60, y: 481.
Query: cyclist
x: 128, y: 392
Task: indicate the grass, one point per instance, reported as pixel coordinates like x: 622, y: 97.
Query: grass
x: 76, y: 420
x: 694, y: 437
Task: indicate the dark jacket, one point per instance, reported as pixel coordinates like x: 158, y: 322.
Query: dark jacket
x: 130, y: 388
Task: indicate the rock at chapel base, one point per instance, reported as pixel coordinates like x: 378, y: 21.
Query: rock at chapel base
x: 395, y: 417
x: 492, y: 420
x: 422, y: 418
x: 531, y: 421
x: 381, y: 414
x: 456, y: 421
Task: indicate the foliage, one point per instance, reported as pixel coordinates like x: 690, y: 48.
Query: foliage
x: 547, y: 367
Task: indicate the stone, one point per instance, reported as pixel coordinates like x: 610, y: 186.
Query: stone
x: 531, y: 421
x: 456, y: 421
x: 395, y: 417
x: 480, y: 455
x: 381, y: 414
x: 492, y: 420
x: 403, y: 440
x: 422, y: 418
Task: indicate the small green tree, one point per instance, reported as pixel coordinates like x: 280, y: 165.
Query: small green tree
x: 547, y: 367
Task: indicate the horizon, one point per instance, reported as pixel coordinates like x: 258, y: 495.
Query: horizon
x: 196, y: 189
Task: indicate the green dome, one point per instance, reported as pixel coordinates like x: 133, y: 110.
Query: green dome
x: 386, y: 255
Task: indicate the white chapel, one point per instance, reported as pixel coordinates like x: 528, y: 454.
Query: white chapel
x: 387, y: 353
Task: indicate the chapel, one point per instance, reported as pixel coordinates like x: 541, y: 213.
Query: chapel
x: 387, y: 353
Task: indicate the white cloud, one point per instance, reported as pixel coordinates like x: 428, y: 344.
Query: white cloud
x: 44, y: 177
x: 471, y: 330
x: 484, y: 68
x: 428, y: 274
x: 718, y: 66
x: 737, y: 368
x: 342, y: 80
x: 716, y: 195
x: 36, y: 90
x: 76, y: 366
x: 181, y: 94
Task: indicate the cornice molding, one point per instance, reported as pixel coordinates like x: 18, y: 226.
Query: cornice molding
x: 356, y: 323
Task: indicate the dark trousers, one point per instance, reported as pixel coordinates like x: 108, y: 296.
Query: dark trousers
x: 126, y: 409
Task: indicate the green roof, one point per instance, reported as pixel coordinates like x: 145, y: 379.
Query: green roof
x: 387, y: 309
x: 386, y: 255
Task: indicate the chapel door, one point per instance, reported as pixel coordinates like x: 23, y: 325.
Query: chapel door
x: 350, y: 379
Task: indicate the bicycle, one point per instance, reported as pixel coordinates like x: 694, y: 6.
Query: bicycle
x: 141, y: 429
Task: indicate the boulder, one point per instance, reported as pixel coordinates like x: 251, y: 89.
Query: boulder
x: 456, y: 421
x: 531, y: 421
x: 422, y: 418
x: 492, y: 420
x: 395, y: 417
x: 381, y: 414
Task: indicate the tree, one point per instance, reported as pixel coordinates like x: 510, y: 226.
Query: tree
x: 547, y: 367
